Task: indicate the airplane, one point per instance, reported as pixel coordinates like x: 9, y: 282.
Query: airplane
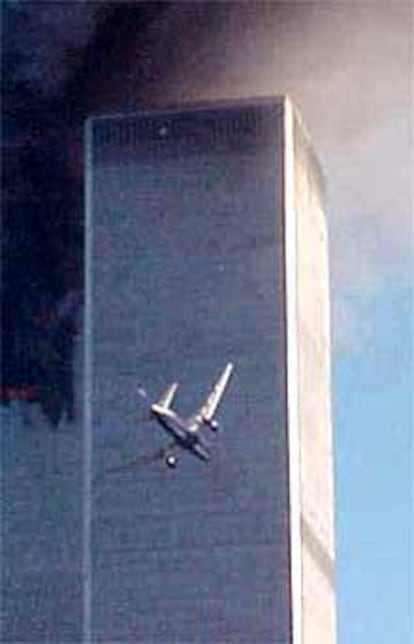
x: 186, y: 432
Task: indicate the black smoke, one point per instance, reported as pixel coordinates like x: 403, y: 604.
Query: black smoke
x: 43, y: 49
x: 49, y: 51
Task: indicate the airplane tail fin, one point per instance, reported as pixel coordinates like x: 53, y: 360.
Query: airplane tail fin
x: 168, y: 396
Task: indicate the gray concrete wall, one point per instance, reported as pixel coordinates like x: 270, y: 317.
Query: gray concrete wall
x: 186, y: 273
x: 315, y: 435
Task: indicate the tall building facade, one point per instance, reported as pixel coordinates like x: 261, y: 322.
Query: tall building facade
x: 206, y: 243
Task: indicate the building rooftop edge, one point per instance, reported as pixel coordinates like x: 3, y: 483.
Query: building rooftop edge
x: 283, y: 101
x: 171, y: 108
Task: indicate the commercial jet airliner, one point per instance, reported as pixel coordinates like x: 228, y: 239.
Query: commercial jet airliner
x: 186, y: 432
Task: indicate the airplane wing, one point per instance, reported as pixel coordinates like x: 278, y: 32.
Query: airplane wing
x: 208, y: 410
x: 168, y: 396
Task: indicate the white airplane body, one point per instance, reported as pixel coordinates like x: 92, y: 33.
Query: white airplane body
x: 186, y: 432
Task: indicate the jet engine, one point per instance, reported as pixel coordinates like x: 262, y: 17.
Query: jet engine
x: 213, y: 424
x: 171, y: 461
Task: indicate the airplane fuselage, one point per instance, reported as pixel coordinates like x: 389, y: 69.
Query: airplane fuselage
x: 179, y: 430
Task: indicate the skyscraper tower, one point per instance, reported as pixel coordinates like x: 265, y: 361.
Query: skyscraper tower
x: 206, y: 243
